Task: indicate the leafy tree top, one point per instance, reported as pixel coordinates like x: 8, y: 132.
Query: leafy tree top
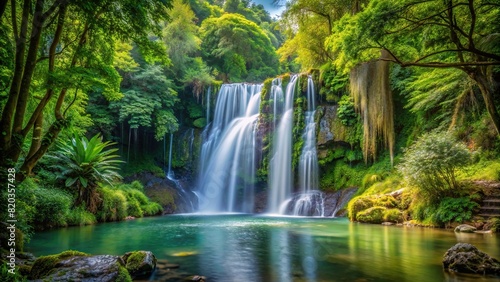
x: 236, y: 45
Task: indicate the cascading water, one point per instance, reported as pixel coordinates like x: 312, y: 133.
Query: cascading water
x: 227, y: 162
x: 308, y: 201
x: 169, y: 171
x: 280, y: 174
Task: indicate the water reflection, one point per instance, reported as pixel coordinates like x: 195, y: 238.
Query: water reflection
x: 250, y: 248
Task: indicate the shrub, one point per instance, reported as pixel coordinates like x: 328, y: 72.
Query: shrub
x: 80, y: 216
x: 152, y: 209
x: 114, y: 205
x: 5, y: 276
x: 134, y: 207
x: 372, y: 215
x: 25, y: 208
x: 454, y: 210
x: 430, y: 164
x: 52, y: 207
x: 346, y: 112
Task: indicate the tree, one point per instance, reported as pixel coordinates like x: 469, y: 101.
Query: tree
x: 238, y: 48
x: 429, y: 34
x: 307, y: 24
x: 181, y: 37
x: 83, y: 164
x: 149, y: 102
x: 66, y: 46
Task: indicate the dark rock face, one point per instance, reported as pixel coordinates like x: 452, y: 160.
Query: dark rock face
x: 100, y: 268
x: 465, y: 258
x: 139, y: 263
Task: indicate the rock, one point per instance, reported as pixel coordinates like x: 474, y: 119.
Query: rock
x: 198, y: 278
x: 465, y: 258
x: 325, y: 134
x: 139, y: 263
x: 77, y: 266
x: 387, y: 223
x: 465, y: 228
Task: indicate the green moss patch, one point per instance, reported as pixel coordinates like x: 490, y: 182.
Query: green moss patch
x: 45, y: 264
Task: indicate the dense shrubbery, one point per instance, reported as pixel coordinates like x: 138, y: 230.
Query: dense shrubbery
x: 446, y: 211
x: 431, y: 165
x: 48, y: 207
x: 51, y: 207
x: 125, y: 200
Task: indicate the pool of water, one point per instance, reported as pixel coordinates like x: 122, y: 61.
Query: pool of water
x: 261, y: 248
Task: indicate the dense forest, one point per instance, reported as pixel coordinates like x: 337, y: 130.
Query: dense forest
x: 93, y: 93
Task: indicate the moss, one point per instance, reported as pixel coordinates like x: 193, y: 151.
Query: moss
x: 44, y: 265
x: 134, y: 261
x: 123, y: 275
x: 388, y: 185
x: 372, y: 215
x: 200, y: 122
x: 393, y: 215
x: 387, y: 201
x: 164, y: 197
x: 357, y: 205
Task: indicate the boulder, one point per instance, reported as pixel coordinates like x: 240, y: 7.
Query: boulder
x: 466, y: 258
x: 77, y: 266
x: 139, y: 263
x: 465, y: 228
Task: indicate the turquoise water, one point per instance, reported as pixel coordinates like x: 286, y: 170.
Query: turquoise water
x: 259, y: 248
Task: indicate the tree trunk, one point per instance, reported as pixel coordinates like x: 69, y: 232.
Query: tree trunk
x: 36, y: 140
x: 487, y: 92
x: 3, y: 5
x: 8, y: 155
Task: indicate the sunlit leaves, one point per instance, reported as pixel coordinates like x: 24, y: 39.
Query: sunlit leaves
x: 234, y: 38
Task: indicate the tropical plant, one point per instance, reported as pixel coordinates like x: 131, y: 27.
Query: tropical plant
x: 83, y: 164
x: 430, y: 165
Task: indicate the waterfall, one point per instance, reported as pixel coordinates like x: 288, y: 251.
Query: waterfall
x: 169, y: 171
x: 308, y: 163
x: 280, y: 174
x: 308, y: 200
x: 208, y: 103
x: 227, y: 161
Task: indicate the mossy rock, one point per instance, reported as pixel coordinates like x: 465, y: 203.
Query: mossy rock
x: 357, y: 205
x: 45, y: 264
x: 372, y: 215
x: 387, y: 201
x: 78, y: 266
x: 139, y: 263
x: 393, y: 215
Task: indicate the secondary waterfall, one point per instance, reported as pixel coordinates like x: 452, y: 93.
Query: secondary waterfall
x: 308, y: 200
x: 280, y: 174
x: 227, y: 161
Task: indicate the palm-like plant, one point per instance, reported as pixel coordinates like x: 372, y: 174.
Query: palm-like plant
x: 84, y: 163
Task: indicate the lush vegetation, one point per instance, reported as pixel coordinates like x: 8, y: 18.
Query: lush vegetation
x: 90, y: 93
